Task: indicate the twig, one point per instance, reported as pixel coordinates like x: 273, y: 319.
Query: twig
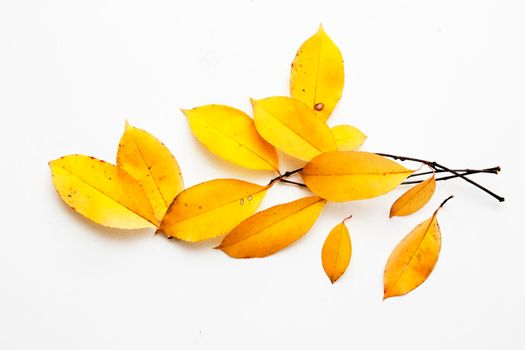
x: 437, y: 166
x: 493, y: 170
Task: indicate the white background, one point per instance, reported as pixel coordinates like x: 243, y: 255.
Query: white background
x: 442, y: 80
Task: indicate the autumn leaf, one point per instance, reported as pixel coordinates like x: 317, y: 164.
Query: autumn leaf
x: 211, y: 209
x: 230, y: 134
x: 344, y: 176
x: 145, y: 158
x: 317, y: 76
x: 347, y: 137
x: 102, y: 192
x: 414, y: 258
x: 337, y: 251
x: 272, y: 229
x: 414, y: 199
x: 292, y: 128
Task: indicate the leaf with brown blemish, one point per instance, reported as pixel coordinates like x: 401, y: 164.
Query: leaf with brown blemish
x: 317, y: 74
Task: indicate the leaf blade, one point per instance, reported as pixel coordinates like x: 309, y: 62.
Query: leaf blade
x: 347, y: 137
x: 415, y: 198
x: 146, y: 159
x: 230, y: 134
x: 317, y: 74
x: 413, y: 259
x: 342, y: 176
x: 102, y: 192
x: 291, y: 127
x: 211, y: 209
x: 336, y: 252
x: 272, y: 229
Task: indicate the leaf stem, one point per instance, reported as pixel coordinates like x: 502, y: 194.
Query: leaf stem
x: 437, y: 166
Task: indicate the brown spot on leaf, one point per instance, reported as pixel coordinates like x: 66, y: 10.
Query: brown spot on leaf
x: 319, y: 106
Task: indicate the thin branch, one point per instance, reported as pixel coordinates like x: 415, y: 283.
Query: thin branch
x: 437, y: 166
x: 443, y: 178
x: 287, y: 174
x: 493, y: 170
x: 292, y: 182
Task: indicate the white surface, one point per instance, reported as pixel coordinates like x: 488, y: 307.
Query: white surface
x: 442, y: 80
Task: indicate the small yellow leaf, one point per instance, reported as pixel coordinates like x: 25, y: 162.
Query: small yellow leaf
x: 145, y: 158
x: 230, y: 134
x: 337, y: 251
x: 272, y: 229
x: 347, y: 137
x: 414, y: 199
x: 292, y: 128
x: 413, y: 259
x: 102, y: 192
x: 211, y: 209
x: 344, y: 176
x: 317, y: 76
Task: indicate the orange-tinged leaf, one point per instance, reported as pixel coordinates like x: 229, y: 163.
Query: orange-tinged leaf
x: 102, y: 192
x: 317, y: 76
x: 414, y: 199
x: 145, y: 158
x: 211, y: 209
x: 347, y: 137
x: 230, y: 134
x: 344, y: 176
x: 272, y: 229
x: 337, y: 251
x: 292, y: 128
x: 414, y: 258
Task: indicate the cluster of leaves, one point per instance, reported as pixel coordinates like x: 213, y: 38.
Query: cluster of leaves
x: 145, y: 187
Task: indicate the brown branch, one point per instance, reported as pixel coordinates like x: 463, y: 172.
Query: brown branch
x: 438, y: 166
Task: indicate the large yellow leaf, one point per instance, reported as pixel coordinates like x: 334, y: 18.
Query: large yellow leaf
x: 292, y: 128
x: 344, y: 176
x: 413, y: 259
x: 337, y: 251
x: 318, y: 76
x: 152, y: 165
x: 102, y: 192
x: 231, y: 134
x: 211, y: 209
x: 347, y: 137
x: 272, y: 229
x: 414, y: 199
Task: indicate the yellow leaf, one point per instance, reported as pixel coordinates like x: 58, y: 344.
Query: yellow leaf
x: 414, y: 199
x: 337, y: 251
x: 414, y: 258
x: 318, y: 76
x: 347, y: 137
x: 292, y: 128
x: 211, y: 209
x: 145, y: 158
x: 102, y: 192
x: 344, y: 176
x: 272, y: 229
x: 230, y: 134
